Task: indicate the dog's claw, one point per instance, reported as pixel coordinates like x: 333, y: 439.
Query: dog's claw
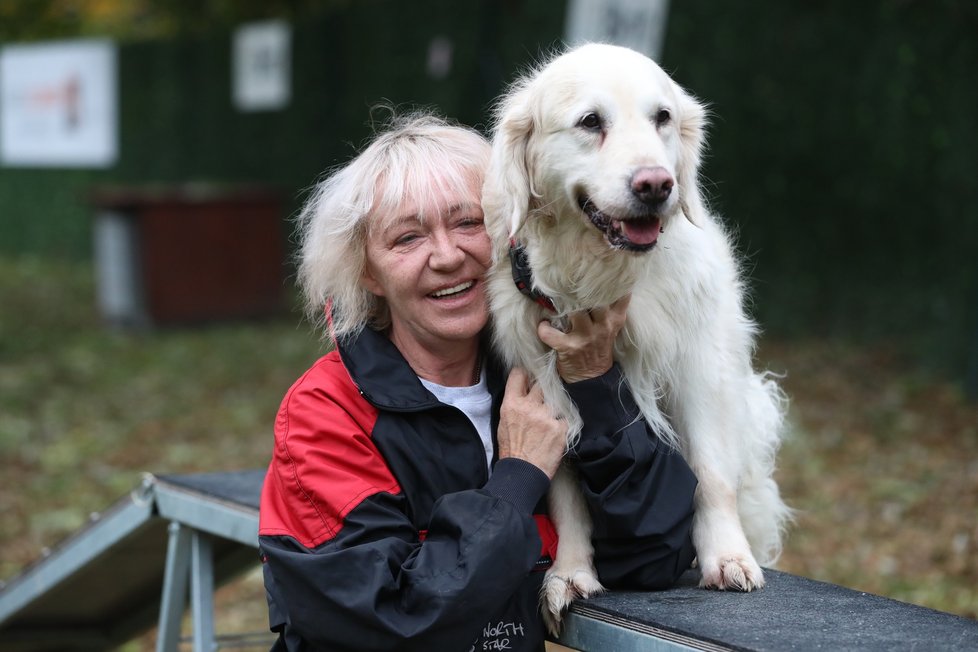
x: 733, y: 574
x: 560, y: 590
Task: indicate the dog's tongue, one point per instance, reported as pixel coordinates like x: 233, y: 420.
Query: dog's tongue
x: 641, y: 232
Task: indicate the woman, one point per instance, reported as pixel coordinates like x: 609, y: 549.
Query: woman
x: 403, y: 508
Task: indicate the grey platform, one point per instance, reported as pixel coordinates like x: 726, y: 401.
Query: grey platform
x: 175, y: 536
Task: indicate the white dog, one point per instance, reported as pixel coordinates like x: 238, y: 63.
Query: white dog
x: 594, y: 175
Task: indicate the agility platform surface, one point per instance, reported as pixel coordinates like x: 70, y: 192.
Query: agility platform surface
x: 102, y: 586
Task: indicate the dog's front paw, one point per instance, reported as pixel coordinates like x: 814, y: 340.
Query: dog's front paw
x: 731, y: 573
x: 560, y: 589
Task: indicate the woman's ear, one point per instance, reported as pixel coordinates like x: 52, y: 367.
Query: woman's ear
x: 370, y: 283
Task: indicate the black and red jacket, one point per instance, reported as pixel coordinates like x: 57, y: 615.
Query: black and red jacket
x: 381, y: 528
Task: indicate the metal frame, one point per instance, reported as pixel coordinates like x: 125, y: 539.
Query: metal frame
x: 194, y: 522
x: 590, y: 629
x: 181, y: 537
x: 175, y: 578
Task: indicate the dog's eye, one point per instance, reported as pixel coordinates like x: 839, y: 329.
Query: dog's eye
x: 662, y: 118
x: 590, y: 121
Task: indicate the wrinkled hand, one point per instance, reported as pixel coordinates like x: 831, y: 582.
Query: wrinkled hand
x: 527, y: 428
x: 586, y: 350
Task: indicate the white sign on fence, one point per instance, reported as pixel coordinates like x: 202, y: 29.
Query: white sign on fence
x: 262, y: 60
x: 637, y: 24
x: 58, y: 104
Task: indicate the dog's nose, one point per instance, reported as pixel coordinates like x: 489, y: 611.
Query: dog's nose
x: 652, y: 186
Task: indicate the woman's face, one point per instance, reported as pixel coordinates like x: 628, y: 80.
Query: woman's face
x: 431, y: 272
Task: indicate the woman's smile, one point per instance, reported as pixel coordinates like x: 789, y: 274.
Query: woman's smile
x: 453, y: 291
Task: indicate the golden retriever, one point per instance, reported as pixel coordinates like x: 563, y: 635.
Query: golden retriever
x: 594, y: 175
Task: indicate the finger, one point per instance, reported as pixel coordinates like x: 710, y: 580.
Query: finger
x: 549, y: 335
x: 581, y: 320
x: 620, y: 307
x: 599, y: 319
x: 612, y: 317
x: 517, y: 383
x: 535, y: 392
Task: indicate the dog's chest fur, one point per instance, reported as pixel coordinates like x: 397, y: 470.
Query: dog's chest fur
x: 675, y: 298
x: 673, y: 285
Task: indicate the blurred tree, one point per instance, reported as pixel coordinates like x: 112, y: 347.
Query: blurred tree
x: 30, y: 20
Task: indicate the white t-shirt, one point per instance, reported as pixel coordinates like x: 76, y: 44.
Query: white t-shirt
x: 475, y: 402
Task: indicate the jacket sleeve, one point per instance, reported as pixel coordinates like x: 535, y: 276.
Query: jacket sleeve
x: 346, y: 569
x: 638, y: 489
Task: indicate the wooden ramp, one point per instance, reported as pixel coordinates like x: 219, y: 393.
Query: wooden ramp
x: 180, y: 536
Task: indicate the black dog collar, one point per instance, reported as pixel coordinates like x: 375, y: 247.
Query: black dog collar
x: 523, y: 276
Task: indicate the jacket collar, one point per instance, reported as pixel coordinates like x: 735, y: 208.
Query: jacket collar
x: 385, y: 378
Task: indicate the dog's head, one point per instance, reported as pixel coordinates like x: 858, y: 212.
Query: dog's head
x: 600, y: 132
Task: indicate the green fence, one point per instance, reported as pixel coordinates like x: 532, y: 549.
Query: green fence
x: 177, y: 122
x: 842, y: 149
x: 844, y: 152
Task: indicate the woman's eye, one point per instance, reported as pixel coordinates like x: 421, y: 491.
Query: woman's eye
x: 663, y: 117
x: 406, y: 238
x: 590, y: 121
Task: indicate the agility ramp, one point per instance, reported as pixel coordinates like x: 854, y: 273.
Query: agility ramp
x: 179, y: 536
x: 135, y: 565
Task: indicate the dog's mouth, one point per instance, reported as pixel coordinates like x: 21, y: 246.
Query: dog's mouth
x: 637, y: 233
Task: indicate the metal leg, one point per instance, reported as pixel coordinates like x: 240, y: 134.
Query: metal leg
x: 202, y: 592
x: 174, y: 588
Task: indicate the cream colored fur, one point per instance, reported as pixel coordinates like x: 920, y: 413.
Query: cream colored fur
x: 687, y: 346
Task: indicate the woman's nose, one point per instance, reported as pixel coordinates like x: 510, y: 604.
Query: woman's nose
x: 446, y: 254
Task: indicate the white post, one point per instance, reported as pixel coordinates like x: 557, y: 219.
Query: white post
x: 637, y: 24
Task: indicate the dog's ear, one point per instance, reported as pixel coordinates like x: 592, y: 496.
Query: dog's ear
x: 692, y: 139
x: 508, y: 187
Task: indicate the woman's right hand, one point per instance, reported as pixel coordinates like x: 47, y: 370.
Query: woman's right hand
x: 527, y: 428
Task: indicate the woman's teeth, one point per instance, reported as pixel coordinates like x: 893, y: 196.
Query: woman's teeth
x: 461, y: 287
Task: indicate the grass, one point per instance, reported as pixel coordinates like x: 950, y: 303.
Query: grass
x: 883, y: 468
x: 84, y: 410
x: 882, y: 463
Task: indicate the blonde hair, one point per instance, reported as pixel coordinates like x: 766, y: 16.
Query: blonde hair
x: 416, y: 158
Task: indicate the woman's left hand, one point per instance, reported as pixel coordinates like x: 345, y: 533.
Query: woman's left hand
x: 586, y: 350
